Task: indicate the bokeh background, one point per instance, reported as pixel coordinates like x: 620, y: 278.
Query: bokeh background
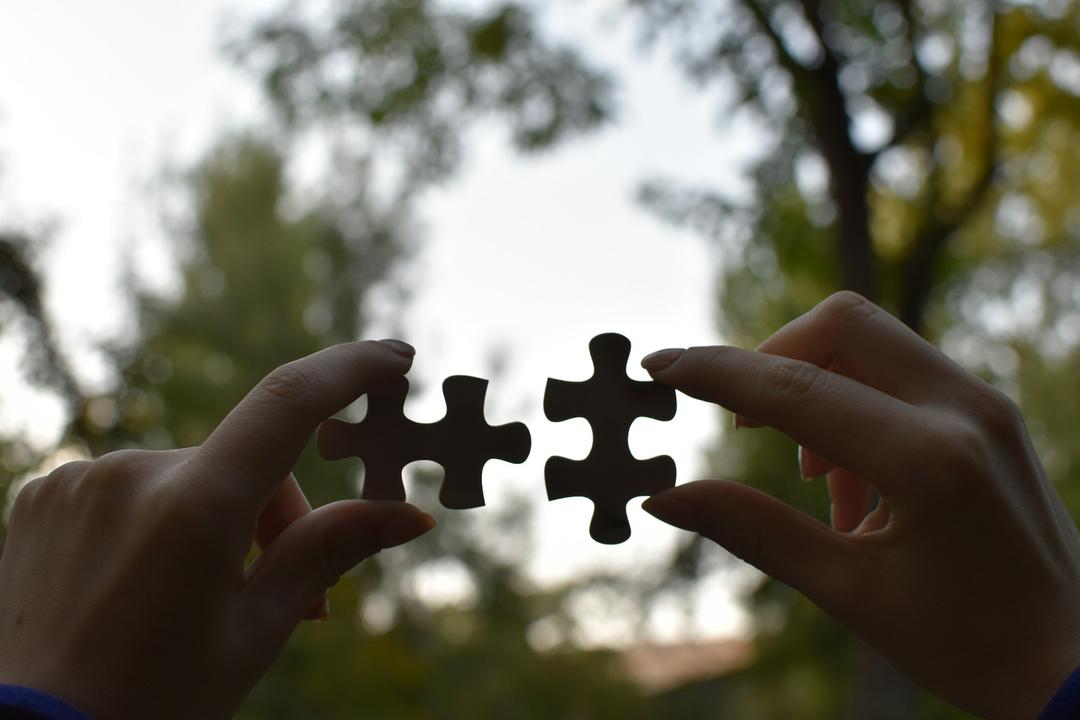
x: 194, y: 193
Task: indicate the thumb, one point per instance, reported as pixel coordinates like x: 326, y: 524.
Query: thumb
x: 774, y: 537
x: 312, y: 553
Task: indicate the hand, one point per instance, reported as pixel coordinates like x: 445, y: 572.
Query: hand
x: 966, y: 575
x: 122, y: 586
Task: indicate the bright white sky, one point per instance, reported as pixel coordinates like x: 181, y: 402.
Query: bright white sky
x: 531, y: 256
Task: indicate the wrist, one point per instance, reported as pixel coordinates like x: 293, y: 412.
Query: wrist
x: 1042, y: 675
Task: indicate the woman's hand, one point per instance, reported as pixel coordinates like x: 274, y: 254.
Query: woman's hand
x: 966, y: 575
x: 122, y: 585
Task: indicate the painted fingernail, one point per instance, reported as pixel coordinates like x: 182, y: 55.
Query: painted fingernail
x: 403, y: 349
x: 672, y: 509
x: 405, y: 527
x: 657, y: 361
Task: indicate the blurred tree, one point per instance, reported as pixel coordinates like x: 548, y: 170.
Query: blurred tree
x: 266, y: 277
x: 23, y: 321
x: 20, y: 288
x: 919, y: 154
x: 919, y: 149
x: 416, y: 74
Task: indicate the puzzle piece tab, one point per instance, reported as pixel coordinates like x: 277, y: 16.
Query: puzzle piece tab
x: 461, y: 442
x: 610, y: 476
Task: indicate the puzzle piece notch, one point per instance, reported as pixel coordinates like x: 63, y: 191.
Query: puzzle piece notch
x: 610, y: 401
x: 461, y: 442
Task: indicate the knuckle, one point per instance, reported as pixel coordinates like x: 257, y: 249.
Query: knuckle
x: 792, y: 378
x: 69, y: 471
x: 704, y: 367
x: 111, y: 474
x: 45, y: 488
x: 289, y: 383
x: 715, y: 359
x: 998, y: 414
x: 31, y: 494
x: 959, y: 454
x: 119, y: 463
x: 842, y: 310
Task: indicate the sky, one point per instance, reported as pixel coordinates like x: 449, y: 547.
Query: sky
x: 530, y: 257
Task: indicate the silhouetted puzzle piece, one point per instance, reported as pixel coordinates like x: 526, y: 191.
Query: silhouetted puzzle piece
x: 462, y: 442
x: 610, y: 476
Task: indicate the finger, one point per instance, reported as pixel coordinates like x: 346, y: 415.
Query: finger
x: 258, y: 443
x: 850, y: 496
x: 312, y: 553
x: 876, y: 519
x: 288, y: 505
x: 855, y: 337
x: 774, y: 537
x: 841, y: 420
x: 812, y: 465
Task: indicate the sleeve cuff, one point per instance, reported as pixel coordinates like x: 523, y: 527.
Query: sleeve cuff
x: 21, y: 703
x: 1065, y: 705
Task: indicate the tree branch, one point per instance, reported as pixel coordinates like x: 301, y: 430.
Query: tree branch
x: 825, y: 107
x: 919, y: 268
x: 920, y: 109
x: 19, y: 282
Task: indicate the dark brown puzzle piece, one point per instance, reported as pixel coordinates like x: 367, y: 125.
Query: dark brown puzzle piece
x: 461, y: 442
x: 610, y: 475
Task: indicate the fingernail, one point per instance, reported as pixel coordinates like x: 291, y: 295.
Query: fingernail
x: 672, y: 509
x: 741, y: 421
x: 405, y: 527
x: 403, y: 349
x: 802, y: 468
x: 657, y: 361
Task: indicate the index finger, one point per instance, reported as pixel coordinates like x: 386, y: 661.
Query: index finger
x: 851, y: 335
x: 850, y: 424
x: 257, y: 444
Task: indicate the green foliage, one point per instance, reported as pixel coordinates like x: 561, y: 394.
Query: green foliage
x: 260, y: 286
x: 959, y: 214
x: 448, y: 664
x: 24, y: 322
x: 416, y: 73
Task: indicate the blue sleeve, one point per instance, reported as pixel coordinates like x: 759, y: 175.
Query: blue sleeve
x: 20, y: 703
x: 1065, y: 705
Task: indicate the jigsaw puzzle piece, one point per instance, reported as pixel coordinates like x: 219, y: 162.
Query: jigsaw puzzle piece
x: 610, y: 401
x: 385, y: 440
x: 462, y: 442
x: 609, y: 397
x: 610, y: 489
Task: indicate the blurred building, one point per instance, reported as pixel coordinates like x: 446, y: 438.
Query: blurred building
x: 661, y: 668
